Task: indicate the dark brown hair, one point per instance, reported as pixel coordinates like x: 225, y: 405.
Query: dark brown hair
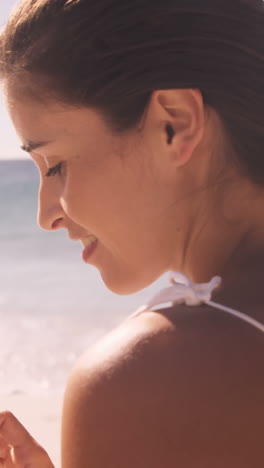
x: 112, y: 54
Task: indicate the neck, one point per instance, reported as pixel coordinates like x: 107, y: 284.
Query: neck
x: 240, y: 264
x: 228, y: 242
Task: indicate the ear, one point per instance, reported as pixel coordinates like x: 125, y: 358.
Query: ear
x: 178, y: 115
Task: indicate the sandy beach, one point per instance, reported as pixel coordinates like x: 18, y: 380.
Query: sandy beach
x: 41, y: 415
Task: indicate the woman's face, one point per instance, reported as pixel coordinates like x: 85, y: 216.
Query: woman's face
x: 112, y: 187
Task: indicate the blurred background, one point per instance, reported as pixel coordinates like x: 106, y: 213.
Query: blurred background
x: 52, y: 305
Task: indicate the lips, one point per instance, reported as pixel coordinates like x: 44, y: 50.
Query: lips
x: 89, y: 242
x: 86, y: 242
x: 89, y: 248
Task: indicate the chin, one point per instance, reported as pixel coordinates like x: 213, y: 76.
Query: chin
x: 124, y: 284
x: 122, y: 288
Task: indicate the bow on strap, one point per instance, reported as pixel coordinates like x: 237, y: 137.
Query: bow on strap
x: 182, y: 290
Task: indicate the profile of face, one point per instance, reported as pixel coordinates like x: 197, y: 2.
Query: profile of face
x: 128, y: 191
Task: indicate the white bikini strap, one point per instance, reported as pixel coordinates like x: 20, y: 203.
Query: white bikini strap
x: 182, y: 290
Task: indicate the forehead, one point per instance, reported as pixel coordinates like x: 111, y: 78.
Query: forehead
x: 39, y: 119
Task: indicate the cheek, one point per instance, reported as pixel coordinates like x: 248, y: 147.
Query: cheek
x: 113, y: 199
x: 82, y: 197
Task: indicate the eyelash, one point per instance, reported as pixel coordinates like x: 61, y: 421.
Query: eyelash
x: 54, y: 170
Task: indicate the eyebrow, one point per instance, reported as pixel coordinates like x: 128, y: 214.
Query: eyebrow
x: 31, y: 146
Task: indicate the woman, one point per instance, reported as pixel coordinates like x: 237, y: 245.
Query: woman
x: 145, y: 120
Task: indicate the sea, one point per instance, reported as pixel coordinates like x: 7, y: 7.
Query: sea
x: 52, y: 306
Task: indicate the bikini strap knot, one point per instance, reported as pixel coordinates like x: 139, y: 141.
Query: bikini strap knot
x: 190, y: 293
x: 183, y: 291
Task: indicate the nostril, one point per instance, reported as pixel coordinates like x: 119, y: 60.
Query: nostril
x: 56, y: 223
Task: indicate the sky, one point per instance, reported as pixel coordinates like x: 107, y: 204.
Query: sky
x: 9, y: 143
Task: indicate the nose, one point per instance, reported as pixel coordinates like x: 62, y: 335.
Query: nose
x: 50, y: 212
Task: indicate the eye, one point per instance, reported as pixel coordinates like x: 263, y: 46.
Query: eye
x: 54, y: 170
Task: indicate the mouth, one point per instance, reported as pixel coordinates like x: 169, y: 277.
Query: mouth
x: 89, y: 244
x: 87, y: 241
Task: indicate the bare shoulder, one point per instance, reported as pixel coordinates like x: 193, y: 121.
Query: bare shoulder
x: 112, y: 398
x: 151, y: 389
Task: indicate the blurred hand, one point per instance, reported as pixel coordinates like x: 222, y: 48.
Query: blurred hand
x: 18, y: 449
